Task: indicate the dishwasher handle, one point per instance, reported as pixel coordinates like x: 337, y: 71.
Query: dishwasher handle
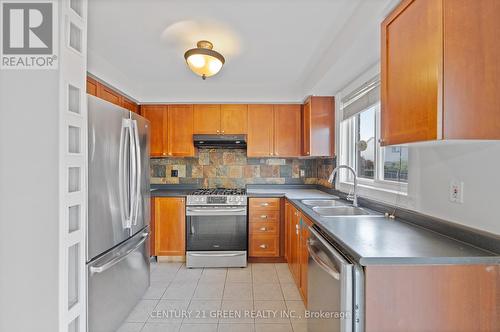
x: 334, y: 273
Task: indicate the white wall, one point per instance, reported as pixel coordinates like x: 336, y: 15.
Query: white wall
x: 29, y: 151
x: 432, y: 166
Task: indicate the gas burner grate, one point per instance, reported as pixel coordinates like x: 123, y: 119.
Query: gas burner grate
x: 219, y: 192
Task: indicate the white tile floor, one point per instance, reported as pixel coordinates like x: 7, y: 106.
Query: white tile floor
x: 256, y: 298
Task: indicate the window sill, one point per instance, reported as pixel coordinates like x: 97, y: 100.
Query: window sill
x: 375, y: 192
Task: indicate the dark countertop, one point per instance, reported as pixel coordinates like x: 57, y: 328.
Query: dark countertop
x: 168, y: 190
x: 375, y: 240
x: 368, y: 240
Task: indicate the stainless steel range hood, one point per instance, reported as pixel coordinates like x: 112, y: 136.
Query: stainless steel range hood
x: 220, y: 141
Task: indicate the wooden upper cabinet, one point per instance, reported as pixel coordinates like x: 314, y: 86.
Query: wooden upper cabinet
x: 98, y: 89
x: 157, y: 115
x: 287, y: 131
x: 233, y: 119
x: 180, y: 130
x: 306, y: 128
x: 411, y: 66
x: 318, y: 126
x: 207, y: 119
x: 260, y: 131
x: 130, y: 105
x: 91, y: 86
x: 440, y: 75
x: 108, y: 94
x: 471, y: 69
x: 170, y: 226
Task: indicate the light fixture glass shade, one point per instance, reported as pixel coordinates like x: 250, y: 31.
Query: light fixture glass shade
x: 203, y: 60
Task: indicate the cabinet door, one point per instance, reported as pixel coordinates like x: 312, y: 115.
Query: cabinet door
x: 319, y: 126
x: 170, y: 226
x: 306, y: 128
x: 180, y: 130
x: 157, y: 115
x: 294, y: 247
x: 91, y: 86
x: 234, y: 119
x: 206, y: 119
x: 411, y: 79
x: 471, y: 69
x: 130, y: 105
x: 108, y: 94
x: 287, y: 130
x: 304, y: 256
x: 288, y: 227
x: 260, y: 131
x: 152, y: 229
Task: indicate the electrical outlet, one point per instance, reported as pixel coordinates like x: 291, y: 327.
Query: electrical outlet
x: 456, y: 192
x: 174, y: 173
x: 302, y: 173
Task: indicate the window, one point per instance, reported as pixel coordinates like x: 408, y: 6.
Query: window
x: 376, y: 166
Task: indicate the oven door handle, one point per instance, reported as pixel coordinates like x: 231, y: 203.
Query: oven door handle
x: 234, y: 254
x: 215, y: 212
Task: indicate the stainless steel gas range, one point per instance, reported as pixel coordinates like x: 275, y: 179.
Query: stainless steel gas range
x: 216, y: 228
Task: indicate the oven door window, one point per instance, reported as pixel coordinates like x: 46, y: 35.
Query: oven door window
x: 218, y: 233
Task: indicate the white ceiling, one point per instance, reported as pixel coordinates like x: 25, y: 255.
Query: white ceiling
x: 275, y: 50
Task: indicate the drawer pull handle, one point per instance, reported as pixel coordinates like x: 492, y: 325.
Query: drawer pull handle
x: 263, y: 246
x: 263, y: 229
x: 263, y: 216
x: 264, y: 204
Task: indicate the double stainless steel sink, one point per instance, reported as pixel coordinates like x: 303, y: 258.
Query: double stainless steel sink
x: 330, y: 208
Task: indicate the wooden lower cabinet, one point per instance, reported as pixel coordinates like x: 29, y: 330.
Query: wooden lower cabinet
x: 292, y: 219
x: 417, y: 298
x: 264, y: 235
x: 304, y: 256
x: 169, y: 226
x: 297, y: 256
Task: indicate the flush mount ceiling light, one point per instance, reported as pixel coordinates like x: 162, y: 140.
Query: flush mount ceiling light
x: 203, y: 60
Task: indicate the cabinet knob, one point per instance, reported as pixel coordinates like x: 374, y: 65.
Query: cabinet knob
x: 263, y: 216
x: 263, y: 229
x: 223, y: 132
x: 263, y: 246
x: 164, y: 153
x: 218, y: 131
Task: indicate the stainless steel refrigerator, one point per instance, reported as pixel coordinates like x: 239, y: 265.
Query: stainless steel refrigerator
x: 118, y: 213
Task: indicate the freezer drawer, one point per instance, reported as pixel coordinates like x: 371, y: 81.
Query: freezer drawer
x: 116, y: 283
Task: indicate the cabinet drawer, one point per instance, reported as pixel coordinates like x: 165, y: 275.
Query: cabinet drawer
x: 265, y: 203
x: 267, y: 228
x: 264, y: 215
x: 264, y: 245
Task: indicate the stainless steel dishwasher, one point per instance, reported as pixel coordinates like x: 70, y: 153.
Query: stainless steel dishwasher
x: 330, y: 287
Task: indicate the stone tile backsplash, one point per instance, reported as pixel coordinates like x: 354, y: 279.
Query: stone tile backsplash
x: 230, y: 168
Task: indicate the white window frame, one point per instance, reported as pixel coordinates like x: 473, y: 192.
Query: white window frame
x: 347, y: 156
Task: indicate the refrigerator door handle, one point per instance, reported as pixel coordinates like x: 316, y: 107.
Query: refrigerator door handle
x: 133, y: 173
x: 122, y: 182
x: 103, y: 267
x: 138, y: 174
